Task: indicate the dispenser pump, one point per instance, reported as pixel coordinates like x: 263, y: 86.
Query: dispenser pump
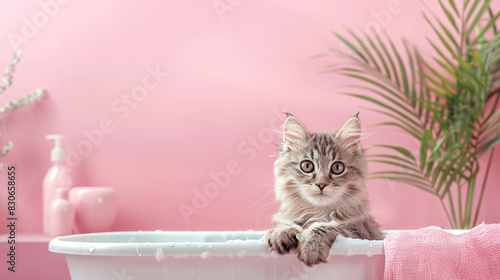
x: 57, y: 154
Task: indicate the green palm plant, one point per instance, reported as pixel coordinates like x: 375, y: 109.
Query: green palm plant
x: 449, y: 104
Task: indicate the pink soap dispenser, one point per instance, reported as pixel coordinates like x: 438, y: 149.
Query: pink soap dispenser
x: 57, y: 176
x: 61, y: 214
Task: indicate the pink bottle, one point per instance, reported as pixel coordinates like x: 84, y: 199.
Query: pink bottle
x: 57, y: 177
x: 61, y: 214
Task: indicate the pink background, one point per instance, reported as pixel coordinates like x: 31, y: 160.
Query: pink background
x: 231, y: 74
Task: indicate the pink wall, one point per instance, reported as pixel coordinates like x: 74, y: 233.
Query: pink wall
x: 230, y: 73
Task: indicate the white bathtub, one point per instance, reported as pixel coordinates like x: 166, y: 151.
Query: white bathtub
x: 207, y: 255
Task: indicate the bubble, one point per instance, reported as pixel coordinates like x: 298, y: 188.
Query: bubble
x: 205, y: 254
x: 241, y: 253
x: 159, y: 256
x: 349, y: 252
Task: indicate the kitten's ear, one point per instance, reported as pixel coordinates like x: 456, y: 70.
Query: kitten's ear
x: 349, y: 135
x: 294, y: 132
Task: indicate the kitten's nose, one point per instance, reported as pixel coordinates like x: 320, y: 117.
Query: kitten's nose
x: 321, y: 186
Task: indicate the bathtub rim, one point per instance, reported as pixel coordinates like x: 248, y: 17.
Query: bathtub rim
x: 75, y: 244
x: 239, y: 246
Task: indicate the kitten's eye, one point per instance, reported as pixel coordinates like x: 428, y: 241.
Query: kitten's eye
x: 338, y: 168
x: 307, y: 166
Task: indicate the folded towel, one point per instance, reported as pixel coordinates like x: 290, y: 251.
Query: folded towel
x: 436, y: 254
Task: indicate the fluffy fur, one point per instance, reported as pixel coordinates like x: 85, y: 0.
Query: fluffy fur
x: 328, y: 200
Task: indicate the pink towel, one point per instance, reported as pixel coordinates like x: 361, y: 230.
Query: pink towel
x: 436, y: 254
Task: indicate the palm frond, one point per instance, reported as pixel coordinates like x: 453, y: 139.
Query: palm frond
x: 451, y: 106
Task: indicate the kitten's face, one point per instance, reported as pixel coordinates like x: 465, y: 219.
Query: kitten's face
x: 320, y: 167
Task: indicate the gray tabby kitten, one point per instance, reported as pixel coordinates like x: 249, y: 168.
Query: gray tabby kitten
x: 320, y: 180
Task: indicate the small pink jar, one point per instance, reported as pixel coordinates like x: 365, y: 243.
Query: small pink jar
x: 96, y: 208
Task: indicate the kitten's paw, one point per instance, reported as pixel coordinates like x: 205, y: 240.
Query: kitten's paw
x: 314, y: 248
x: 313, y: 253
x: 283, y: 238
